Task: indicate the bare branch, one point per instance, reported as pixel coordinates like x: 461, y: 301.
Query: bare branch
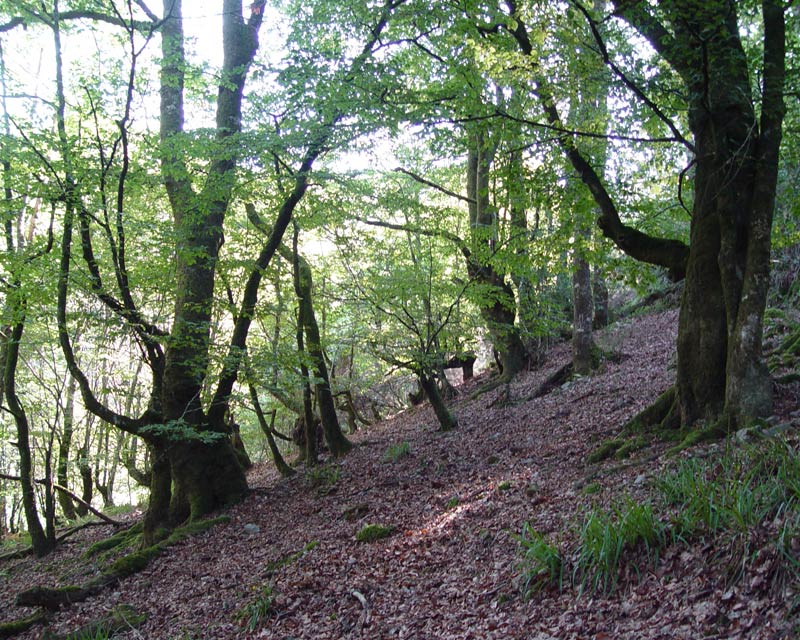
x: 438, y: 187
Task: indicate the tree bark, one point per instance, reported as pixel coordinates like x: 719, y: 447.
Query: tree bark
x: 582, y: 341
x: 62, y: 468
x: 721, y: 377
x: 600, y: 298
x: 721, y: 374
x: 496, y: 300
x: 42, y: 544
x: 337, y: 443
x: 446, y: 419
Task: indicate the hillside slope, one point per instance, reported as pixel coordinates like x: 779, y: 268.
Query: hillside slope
x: 450, y: 568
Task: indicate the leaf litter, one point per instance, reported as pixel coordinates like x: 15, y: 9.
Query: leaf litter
x: 450, y: 567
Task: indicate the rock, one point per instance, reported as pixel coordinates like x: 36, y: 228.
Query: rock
x: 778, y: 429
x: 252, y: 529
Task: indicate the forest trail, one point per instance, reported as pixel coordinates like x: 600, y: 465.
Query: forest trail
x: 454, y: 501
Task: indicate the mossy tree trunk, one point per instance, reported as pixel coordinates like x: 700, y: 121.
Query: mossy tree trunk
x: 721, y: 377
x: 446, y: 419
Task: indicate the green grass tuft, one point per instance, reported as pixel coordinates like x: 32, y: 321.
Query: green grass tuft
x: 541, y: 565
x: 255, y: 613
x: 397, y: 451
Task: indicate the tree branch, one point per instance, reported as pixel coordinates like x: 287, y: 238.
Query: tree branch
x: 668, y: 253
x: 637, y: 91
x: 438, y: 187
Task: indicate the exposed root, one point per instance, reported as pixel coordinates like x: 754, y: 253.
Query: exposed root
x: 663, y: 415
x: 491, y: 386
x: 52, y: 598
x: 9, y: 629
x: 553, y: 382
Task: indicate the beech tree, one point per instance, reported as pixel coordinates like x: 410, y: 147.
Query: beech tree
x: 194, y: 468
x: 734, y: 139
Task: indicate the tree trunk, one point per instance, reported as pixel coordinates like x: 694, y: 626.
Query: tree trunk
x: 721, y: 377
x: 495, y: 297
x: 600, y: 297
x: 87, y: 486
x: 582, y: 341
x: 205, y: 472
x: 447, y: 420
x: 267, y: 428
x: 41, y: 543
x: 337, y: 443
x: 62, y: 468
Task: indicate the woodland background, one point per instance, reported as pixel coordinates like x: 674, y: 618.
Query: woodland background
x: 232, y: 234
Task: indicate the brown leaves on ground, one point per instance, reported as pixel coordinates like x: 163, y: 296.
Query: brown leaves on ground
x: 450, y: 567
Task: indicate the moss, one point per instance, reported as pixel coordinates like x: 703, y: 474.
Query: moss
x: 605, y: 451
x: 134, y: 562
x: 138, y: 560
x: 711, y: 433
x: 50, y: 598
x: 663, y: 414
x: 9, y: 629
x: 630, y: 446
x: 591, y: 489
x: 373, y: 532
x: 194, y: 527
x: 504, y: 486
x: 123, y: 538
x: 273, y: 566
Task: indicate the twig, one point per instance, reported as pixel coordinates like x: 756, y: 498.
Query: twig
x: 66, y: 491
x: 364, y: 618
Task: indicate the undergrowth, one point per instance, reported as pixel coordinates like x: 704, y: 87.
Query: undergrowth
x: 255, y: 613
x: 746, y: 502
x: 397, y: 451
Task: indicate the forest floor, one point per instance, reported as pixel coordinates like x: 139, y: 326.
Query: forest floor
x: 455, y: 501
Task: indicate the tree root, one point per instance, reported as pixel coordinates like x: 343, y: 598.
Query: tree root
x: 663, y: 415
x: 491, y: 386
x: 562, y: 375
x: 9, y: 629
x: 52, y: 598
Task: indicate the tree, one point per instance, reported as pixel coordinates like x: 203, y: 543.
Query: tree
x: 194, y: 468
x: 721, y: 377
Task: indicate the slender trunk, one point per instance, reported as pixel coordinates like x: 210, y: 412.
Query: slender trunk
x: 267, y: 428
x: 62, y: 475
x: 447, y: 420
x: 495, y: 297
x: 85, y: 471
x: 309, y: 452
x: 42, y: 545
x: 600, y: 297
x: 337, y: 443
x: 582, y: 341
